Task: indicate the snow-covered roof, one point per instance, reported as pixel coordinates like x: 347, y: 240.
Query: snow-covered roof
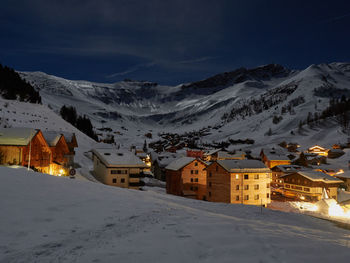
x: 16, y: 136
x: 288, y: 168
x: 226, y: 155
x: 243, y: 165
x: 275, y: 154
x: 118, y: 158
x: 346, y: 174
x: 179, y: 163
x: 316, y: 176
x: 52, y: 137
x: 68, y: 135
x: 211, y: 152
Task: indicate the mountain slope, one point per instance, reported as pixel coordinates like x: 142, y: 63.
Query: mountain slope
x: 238, y: 104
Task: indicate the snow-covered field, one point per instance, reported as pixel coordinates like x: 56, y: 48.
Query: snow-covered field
x: 52, y: 219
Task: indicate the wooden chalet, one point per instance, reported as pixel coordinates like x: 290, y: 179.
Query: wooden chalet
x: 186, y: 177
x: 318, y: 150
x: 280, y: 170
x: 72, y: 143
x: 345, y: 177
x: 309, y: 185
x: 272, y: 157
x: 239, y: 181
x: 60, y: 152
x: 25, y: 146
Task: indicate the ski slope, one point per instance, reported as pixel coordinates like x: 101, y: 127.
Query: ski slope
x: 52, y: 219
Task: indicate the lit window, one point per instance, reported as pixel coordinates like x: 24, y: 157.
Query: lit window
x: 256, y: 187
x: 237, y: 176
x: 256, y: 176
x: 237, y: 197
x: 256, y: 197
x: 237, y: 187
x: 246, y: 197
x: 246, y: 187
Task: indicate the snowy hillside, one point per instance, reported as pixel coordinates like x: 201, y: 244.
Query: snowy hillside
x: 53, y: 219
x: 21, y: 114
x: 238, y: 105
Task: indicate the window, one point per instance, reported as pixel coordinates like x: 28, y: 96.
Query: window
x: 268, y: 195
x: 191, y: 171
x: 256, y: 187
x: 209, y: 184
x: 267, y: 175
x: 195, y: 164
x: 256, y: 176
x: 196, y: 180
x: 256, y: 197
x: 246, y: 187
x: 306, y: 189
x: 209, y: 174
x: 287, y: 186
x: 191, y: 180
x: 118, y: 172
x: 267, y: 185
x: 246, y: 197
x: 237, y: 176
x: 217, y: 168
x: 237, y: 197
x: 196, y: 172
x: 122, y: 180
x: 114, y: 180
x: 237, y: 187
x: 195, y: 188
x: 246, y: 176
x: 209, y: 194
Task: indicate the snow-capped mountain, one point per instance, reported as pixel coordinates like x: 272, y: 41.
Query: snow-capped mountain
x: 238, y: 104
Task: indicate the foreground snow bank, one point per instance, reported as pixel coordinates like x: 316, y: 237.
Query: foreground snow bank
x: 53, y: 219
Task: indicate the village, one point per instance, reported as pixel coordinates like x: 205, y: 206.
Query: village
x: 279, y: 174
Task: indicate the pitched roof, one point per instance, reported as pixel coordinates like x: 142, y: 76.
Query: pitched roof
x: 275, y: 154
x: 52, y: 137
x: 210, y: 152
x: 180, y: 163
x: 288, y: 168
x: 17, y: 136
x: 243, y: 166
x: 118, y: 158
x: 316, y: 176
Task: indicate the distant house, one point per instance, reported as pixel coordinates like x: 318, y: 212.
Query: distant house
x: 186, y: 176
x: 335, y: 153
x: 318, y: 150
x: 308, y: 185
x: 272, y: 157
x: 345, y: 177
x: 72, y: 143
x: 60, y: 152
x: 239, y: 181
x: 280, y: 170
x: 238, y: 155
x: 159, y: 162
x: 211, y: 155
x: 118, y: 168
x: 194, y: 153
x: 25, y: 146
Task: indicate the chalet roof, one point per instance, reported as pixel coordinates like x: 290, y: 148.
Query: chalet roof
x: 243, y: 165
x: 17, y: 136
x: 316, y: 176
x: 211, y: 152
x: 275, y: 154
x: 52, y: 137
x: 346, y: 174
x: 180, y: 163
x: 118, y: 158
x: 68, y: 135
x: 226, y: 155
x: 288, y: 168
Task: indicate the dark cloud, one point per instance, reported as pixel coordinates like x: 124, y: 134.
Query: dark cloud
x: 157, y: 39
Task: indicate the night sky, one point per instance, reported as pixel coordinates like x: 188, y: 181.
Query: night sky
x: 169, y: 42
